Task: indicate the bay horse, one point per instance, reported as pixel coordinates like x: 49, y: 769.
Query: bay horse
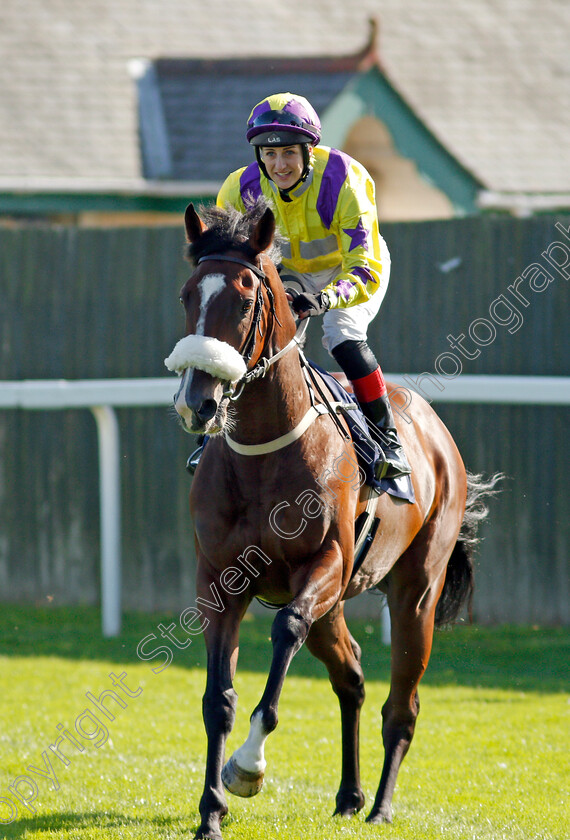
x: 274, y: 515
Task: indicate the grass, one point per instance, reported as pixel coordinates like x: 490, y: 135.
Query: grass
x: 489, y: 761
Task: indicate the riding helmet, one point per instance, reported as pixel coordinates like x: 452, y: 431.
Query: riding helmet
x: 283, y: 119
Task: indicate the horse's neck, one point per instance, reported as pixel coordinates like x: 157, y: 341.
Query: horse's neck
x: 273, y: 405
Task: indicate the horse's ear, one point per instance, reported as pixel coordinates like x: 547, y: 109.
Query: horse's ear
x: 195, y: 227
x: 263, y: 233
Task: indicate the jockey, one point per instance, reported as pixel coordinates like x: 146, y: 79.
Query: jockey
x: 325, y: 209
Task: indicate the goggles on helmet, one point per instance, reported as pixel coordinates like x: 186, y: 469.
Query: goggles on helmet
x: 280, y: 128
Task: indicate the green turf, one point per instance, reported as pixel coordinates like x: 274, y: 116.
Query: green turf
x: 489, y: 761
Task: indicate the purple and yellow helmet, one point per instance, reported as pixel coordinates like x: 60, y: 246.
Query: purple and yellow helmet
x: 283, y: 119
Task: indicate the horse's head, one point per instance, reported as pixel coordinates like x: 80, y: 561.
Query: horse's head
x: 231, y: 301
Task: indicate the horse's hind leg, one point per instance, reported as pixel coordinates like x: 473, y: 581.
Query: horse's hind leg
x: 414, y: 585
x: 330, y: 641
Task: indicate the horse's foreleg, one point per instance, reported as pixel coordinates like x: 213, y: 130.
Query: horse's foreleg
x: 330, y: 641
x: 243, y: 774
x: 219, y: 708
x: 412, y: 605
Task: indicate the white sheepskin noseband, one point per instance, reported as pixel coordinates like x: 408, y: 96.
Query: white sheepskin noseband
x: 208, y: 354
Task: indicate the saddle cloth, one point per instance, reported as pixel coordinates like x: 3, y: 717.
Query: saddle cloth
x: 367, y: 449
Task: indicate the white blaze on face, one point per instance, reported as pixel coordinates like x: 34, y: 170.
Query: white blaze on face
x: 210, y: 287
x: 250, y: 756
x: 201, y: 352
x: 180, y: 402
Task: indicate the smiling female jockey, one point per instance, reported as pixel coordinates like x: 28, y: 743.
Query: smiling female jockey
x: 325, y: 209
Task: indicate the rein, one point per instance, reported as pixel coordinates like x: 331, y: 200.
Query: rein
x: 263, y: 365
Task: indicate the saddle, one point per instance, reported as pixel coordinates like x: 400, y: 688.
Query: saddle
x: 368, y: 454
x: 367, y: 449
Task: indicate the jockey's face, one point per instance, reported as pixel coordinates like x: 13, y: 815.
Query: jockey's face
x: 284, y: 164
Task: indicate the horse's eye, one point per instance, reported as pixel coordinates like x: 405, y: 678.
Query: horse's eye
x: 246, y: 305
x: 181, y: 301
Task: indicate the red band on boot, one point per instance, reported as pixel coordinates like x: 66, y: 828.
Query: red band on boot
x: 370, y: 387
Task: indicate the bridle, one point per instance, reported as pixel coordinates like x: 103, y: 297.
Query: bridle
x: 235, y: 389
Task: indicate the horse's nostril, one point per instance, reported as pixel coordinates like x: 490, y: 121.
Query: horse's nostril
x: 207, y: 410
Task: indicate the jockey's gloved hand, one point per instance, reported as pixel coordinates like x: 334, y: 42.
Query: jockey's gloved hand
x: 306, y: 304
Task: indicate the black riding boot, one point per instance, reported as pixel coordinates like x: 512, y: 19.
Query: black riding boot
x: 361, y: 366
x: 383, y: 429
x: 194, y: 459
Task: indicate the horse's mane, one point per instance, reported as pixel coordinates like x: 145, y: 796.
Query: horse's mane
x: 227, y: 229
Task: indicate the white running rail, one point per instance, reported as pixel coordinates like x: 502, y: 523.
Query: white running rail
x: 102, y: 396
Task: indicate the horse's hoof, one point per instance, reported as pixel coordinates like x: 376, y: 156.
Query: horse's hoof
x: 345, y: 812
x: 348, y: 803
x: 208, y: 834
x: 381, y: 817
x: 241, y: 782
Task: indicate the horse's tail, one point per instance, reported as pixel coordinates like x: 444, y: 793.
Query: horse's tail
x: 459, y: 578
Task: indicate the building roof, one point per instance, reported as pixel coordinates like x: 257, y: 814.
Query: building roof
x: 192, y: 114
x: 489, y: 79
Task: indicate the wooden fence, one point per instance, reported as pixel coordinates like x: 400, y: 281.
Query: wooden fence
x: 484, y: 295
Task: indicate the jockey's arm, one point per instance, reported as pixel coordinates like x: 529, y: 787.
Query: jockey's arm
x: 355, y: 224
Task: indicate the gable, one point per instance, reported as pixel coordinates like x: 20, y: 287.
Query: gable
x: 402, y: 193
x: 371, y: 94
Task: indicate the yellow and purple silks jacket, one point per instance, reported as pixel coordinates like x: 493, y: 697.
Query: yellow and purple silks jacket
x: 329, y: 221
